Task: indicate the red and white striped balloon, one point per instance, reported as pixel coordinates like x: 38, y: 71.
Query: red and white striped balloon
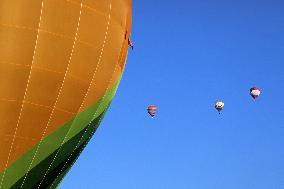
x: 152, y: 110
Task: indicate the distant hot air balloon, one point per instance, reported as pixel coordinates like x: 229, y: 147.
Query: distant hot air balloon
x: 60, y: 65
x: 152, y: 110
x: 254, y: 92
x: 219, y: 105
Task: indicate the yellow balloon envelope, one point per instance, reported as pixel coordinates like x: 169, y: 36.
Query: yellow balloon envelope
x: 60, y: 64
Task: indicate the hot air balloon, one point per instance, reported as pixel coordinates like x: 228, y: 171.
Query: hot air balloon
x: 254, y: 92
x: 152, y: 110
x: 219, y: 105
x: 60, y: 65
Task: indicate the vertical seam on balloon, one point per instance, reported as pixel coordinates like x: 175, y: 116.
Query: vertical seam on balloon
x: 89, y: 124
x: 88, y: 90
x: 56, y: 101
x: 22, y: 106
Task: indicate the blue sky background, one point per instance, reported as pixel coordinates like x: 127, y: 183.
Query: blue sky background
x: 188, y: 54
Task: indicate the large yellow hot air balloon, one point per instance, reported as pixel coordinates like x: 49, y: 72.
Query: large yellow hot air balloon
x: 60, y: 65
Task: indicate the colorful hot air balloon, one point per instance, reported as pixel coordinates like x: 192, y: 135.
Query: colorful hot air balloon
x: 254, y: 92
x: 152, y: 110
x: 60, y: 64
x: 219, y: 105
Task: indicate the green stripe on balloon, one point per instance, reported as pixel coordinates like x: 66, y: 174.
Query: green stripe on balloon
x: 52, y: 142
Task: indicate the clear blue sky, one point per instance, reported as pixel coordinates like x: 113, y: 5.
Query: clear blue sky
x: 189, y: 53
